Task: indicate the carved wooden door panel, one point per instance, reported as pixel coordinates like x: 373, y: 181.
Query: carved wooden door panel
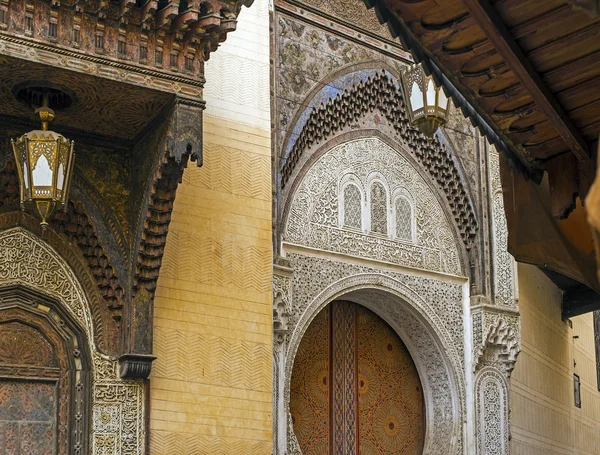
x: 41, y: 358
x: 355, y: 389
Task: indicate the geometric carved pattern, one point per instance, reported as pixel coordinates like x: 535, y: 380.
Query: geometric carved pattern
x: 491, y: 397
x: 37, y: 388
x: 343, y: 383
x: 239, y: 174
x: 400, y: 297
x: 22, y: 345
x: 171, y: 443
x: 358, y: 385
x: 217, y: 262
x: 404, y: 220
x: 435, y: 246
x: 352, y: 207
x: 382, y: 93
x: 378, y: 209
x: 390, y: 400
x: 125, y: 399
x: 503, y: 261
x: 27, y: 417
x: 309, y: 396
x: 212, y: 360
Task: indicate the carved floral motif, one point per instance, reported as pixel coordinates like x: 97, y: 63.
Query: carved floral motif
x: 317, y: 195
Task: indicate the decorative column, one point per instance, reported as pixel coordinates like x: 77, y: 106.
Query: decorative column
x: 282, y: 307
x: 495, y: 359
x: 496, y: 331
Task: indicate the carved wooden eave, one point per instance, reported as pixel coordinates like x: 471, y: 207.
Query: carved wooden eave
x: 133, y: 76
x: 525, y: 73
x: 171, y: 36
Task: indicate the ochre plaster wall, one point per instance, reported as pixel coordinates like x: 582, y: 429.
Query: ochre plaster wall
x: 544, y: 418
x: 211, y: 385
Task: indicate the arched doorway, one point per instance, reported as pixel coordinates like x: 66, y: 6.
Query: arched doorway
x: 355, y: 389
x: 44, y: 376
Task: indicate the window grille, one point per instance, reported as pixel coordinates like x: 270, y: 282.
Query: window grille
x: 403, y: 219
x: 378, y: 209
x: 352, y: 207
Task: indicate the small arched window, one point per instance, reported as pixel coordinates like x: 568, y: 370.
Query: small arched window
x: 404, y: 220
x: 378, y: 209
x: 352, y: 207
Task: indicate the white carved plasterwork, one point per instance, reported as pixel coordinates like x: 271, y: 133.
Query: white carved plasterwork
x: 118, y: 406
x: 313, y: 214
x: 282, y: 308
x: 500, y: 342
x: 503, y: 263
x: 427, y: 314
x: 491, y: 395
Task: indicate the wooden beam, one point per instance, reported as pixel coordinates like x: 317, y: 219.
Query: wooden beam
x: 496, y: 32
x: 580, y: 301
x: 591, y: 6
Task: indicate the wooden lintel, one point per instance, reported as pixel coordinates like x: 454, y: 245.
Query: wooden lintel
x: 580, y: 301
x: 496, y: 32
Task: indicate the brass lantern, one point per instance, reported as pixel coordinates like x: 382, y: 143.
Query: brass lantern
x: 45, y: 165
x: 427, y: 103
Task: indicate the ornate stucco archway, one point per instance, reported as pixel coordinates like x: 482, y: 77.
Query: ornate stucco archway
x: 116, y: 414
x: 425, y: 334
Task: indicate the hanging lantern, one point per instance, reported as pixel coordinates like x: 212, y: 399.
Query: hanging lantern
x: 45, y: 165
x: 427, y: 103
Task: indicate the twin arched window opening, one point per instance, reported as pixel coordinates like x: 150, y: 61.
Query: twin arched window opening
x: 395, y: 220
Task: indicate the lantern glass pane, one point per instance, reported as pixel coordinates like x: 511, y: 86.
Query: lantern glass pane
x: 442, y: 99
x: 60, y: 179
x: 42, y: 174
x: 25, y: 175
x: 430, y: 94
x: 416, y: 97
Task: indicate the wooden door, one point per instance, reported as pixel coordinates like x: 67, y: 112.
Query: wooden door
x: 355, y: 389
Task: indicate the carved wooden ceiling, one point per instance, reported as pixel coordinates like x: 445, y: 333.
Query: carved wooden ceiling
x: 530, y: 67
x: 99, y: 107
x: 527, y: 72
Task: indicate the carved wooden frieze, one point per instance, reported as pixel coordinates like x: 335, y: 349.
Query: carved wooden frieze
x: 168, y: 37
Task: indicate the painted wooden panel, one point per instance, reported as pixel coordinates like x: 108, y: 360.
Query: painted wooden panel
x: 373, y: 404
